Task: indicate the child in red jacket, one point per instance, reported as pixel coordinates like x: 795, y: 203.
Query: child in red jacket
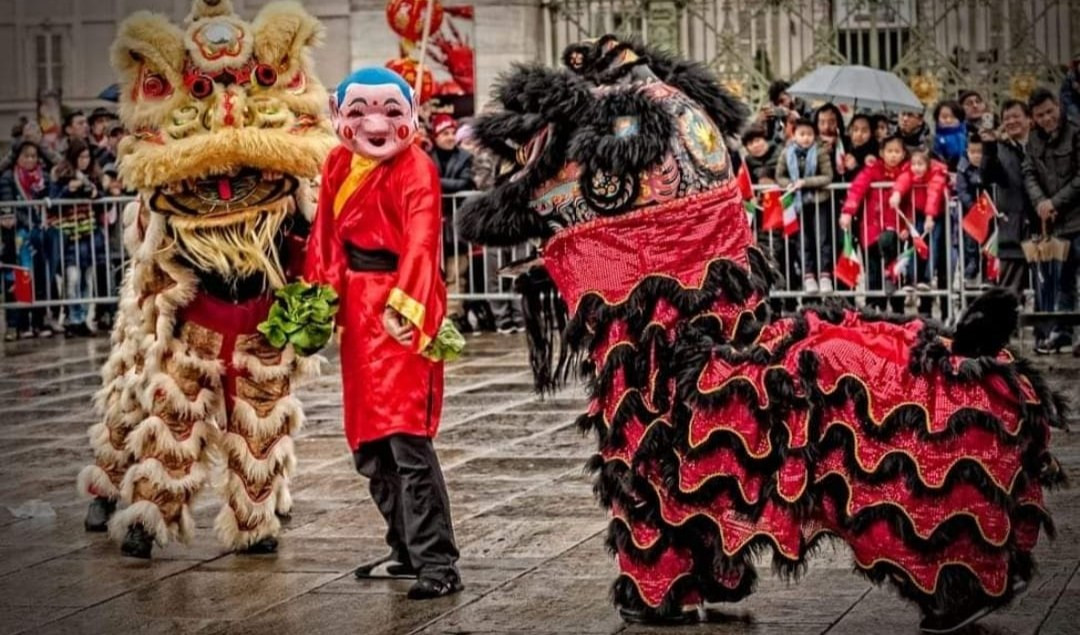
x: 919, y: 194
x: 880, y: 224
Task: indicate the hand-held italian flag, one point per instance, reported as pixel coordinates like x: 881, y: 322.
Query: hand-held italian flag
x: 990, y: 253
x: 848, y: 267
x: 841, y: 153
x: 977, y: 221
x: 746, y: 189
x: 746, y: 186
x: 898, y: 267
x: 922, y: 250
x: 751, y: 209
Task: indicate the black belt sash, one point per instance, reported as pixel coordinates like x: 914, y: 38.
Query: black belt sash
x: 378, y: 260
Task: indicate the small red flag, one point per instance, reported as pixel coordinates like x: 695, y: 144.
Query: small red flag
x: 922, y: 250
x: 24, y: 286
x: 746, y: 187
x: 977, y: 221
x: 772, y: 218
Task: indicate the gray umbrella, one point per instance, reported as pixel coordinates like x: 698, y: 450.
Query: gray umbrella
x: 860, y: 87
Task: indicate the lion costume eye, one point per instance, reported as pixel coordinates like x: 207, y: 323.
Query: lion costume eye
x: 155, y: 86
x: 201, y: 87
x: 265, y: 75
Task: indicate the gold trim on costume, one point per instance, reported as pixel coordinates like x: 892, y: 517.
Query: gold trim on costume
x: 412, y: 310
x: 360, y: 169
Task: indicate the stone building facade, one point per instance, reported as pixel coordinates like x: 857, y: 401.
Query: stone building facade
x: 1000, y: 46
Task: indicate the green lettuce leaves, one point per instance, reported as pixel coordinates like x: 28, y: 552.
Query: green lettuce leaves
x: 448, y: 344
x: 303, y: 316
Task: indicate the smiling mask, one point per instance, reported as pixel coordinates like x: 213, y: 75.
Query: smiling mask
x: 372, y: 113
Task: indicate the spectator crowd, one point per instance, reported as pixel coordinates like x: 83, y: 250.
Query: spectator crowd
x: 56, y: 240
x: 891, y: 185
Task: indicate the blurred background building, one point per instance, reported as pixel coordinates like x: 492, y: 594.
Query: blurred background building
x: 1000, y: 46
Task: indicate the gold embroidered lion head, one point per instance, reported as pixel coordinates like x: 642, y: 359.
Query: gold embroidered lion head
x: 226, y: 119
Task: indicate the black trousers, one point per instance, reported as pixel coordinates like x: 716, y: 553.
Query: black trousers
x: 878, y: 256
x: 406, y: 483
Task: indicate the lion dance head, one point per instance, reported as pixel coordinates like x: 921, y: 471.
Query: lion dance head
x: 227, y: 126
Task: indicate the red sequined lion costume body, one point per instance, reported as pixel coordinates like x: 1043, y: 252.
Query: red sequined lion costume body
x: 719, y: 431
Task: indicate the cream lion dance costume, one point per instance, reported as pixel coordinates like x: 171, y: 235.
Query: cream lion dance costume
x: 227, y: 126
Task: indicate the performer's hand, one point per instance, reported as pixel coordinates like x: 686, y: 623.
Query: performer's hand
x: 398, y: 327
x: 845, y: 222
x: 928, y: 225
x: 894, y: 200
x: 904, y: 235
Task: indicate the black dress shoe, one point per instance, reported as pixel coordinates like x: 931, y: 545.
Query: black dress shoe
x: 431, y: 588
x: 137, y: 543
x: 98, y: 515
x: 266, y: 545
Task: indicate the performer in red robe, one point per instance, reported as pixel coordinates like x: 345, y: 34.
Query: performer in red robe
x: 376, y: 240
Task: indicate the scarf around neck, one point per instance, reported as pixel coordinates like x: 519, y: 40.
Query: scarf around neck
x: 29, y: 182
x: 791, y: 157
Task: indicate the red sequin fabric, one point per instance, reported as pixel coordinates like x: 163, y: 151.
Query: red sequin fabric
x: 721, y: 433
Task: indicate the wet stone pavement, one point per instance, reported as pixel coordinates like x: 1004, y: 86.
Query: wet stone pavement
x: 530, y: 533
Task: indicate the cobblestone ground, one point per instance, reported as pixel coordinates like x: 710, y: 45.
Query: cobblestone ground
x: 531, y: 535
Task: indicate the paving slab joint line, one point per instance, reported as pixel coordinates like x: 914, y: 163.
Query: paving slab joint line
x: 520, y: 575
x: 849, y: 609
x: 1057, y: 600
x: 194, y: 565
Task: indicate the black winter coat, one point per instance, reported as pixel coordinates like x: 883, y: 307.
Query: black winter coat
x: 1003, y: 174
x: 455, y: 172
x: 1052, y: 171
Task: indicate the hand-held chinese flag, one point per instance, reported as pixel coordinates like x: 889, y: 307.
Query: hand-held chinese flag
x: 977, y: 221
x: 24, y: 287
x: 746, y: 187
x: 848, y: 267
x: 772, y: 217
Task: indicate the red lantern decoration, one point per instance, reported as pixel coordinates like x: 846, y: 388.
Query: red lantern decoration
x: 406, y: 17
x: 406, y: 67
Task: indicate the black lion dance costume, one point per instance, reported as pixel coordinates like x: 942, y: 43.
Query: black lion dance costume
x: 721, y: 433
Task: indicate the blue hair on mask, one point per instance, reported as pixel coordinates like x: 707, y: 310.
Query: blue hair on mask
x: 374, y: 76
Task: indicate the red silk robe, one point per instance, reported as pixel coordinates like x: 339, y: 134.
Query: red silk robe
x: 395, y: 206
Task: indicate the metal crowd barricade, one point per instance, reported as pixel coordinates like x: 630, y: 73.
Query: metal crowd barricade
x: 72, y: 251
x: 824, y: 245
